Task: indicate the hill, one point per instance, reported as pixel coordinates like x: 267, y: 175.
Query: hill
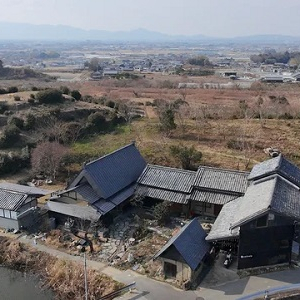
x: 21, y: 31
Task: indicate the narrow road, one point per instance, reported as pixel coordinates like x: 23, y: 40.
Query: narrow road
x: 149, y: 289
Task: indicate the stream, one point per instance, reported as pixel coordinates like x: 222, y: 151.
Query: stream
x: 16, y: 285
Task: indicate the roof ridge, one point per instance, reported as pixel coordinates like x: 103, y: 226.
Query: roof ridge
x: 273, y: 191
x: 109, y: 154
x: 14, y: 192
x: 224, y: 170
x: 281, y: 158
x: 171, y: 168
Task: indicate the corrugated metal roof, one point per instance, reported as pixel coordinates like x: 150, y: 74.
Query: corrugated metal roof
x: 221, y: 228
x: 211, y: 197
x: 190, y: 243
x: 73, y: 210
x: 11, y: 200
x: 161, y: 194
x: 25, y: 189
x: 220, y: 179
x: 278, y: 165
x: 113, y: 172
x: 167, y: 178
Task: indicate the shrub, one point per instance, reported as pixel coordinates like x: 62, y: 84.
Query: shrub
x: 161, y: 212
x: 98, y: 121
x: 32, y: 96
x: 10, y: 136
x: 12, y: 163
x: 71, y: 132
x: 30, y: 100
x: 87, y: 98
x: 50, y: 96
x: 110, y: 103
x: 18, y: 122
x: 188, y: 156
x: 30, y: 122
x: 3, y: 108
x: 286, y: 116
x: 17, y: 98
x: 65, y: 90
x: 34, y: 89
x: 3, y: 91
x: 12, y: 89
x: 76, y: 94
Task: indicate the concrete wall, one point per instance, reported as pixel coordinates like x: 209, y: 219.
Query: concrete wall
x: 9, y: 223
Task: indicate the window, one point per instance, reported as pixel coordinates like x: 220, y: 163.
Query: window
x: 262, y: 221
x: 7, y: 213
x: 13, y: 215
x: 1, y: 213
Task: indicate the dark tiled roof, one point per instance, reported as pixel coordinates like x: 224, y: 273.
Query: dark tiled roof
x: 167, y: 178
x: 11, y: 200
x: 220, y: 179
x: 278, y: 165
x: 74, y: 210
x: 286, y: 199
x: 123, y: 195
x: 111, y: 173
x: 211, y: 197
x: 104, y: 206
x: 87, y: 192
x: 190, y: 243
x: 161, y: 194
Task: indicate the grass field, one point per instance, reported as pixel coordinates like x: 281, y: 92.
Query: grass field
x: 214, y: 139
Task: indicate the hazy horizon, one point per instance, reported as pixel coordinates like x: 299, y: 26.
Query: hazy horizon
x: 215, y: 18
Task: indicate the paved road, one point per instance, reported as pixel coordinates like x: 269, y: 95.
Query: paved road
x: 149, y: 289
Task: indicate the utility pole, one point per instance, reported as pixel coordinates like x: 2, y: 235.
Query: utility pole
x: 85, y: 278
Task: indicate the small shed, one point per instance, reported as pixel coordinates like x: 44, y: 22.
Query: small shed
x: 184, y: 254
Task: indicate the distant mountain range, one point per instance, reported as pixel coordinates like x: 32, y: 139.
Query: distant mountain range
x: 20, y: 31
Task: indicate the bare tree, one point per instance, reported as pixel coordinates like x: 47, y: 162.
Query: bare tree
x: 259, y: 104
x: 46, y: 158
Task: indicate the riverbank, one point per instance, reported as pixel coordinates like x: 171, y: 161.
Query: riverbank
x: 65, y: 278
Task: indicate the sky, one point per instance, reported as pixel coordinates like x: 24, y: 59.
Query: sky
x: 217, y: 18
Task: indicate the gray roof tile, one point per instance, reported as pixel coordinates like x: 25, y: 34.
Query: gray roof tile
x: 161, y: 194
x: 167, y: 178
x: 11, y: 200
x: 211, y: 197
x: 273, y: 194
x: 221, y: 180
x: 221, y: 228
x: 278, y: 165
x: 190, y: 243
